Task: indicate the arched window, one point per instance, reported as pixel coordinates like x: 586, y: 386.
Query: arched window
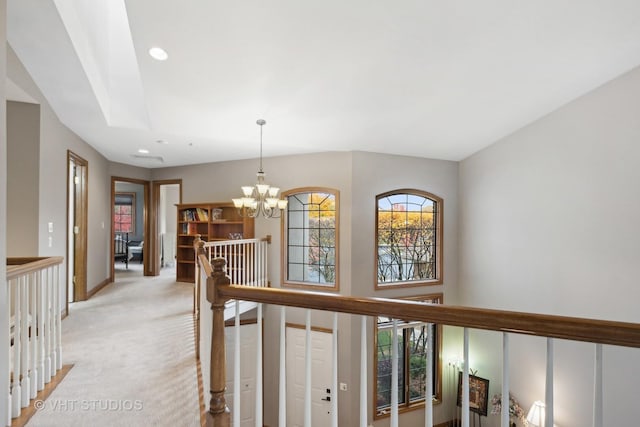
x: 310, y: 238
x: 408, y: 239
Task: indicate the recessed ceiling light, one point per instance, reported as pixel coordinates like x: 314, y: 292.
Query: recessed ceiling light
x: 143, y: 151
x: 158, y: 53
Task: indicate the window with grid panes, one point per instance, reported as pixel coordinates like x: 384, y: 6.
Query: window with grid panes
x: 124, y: 217
x: 310, y: 231
x: 412, y: 357
x: 408, y: 239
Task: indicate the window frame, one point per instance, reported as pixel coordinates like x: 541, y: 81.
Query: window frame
x: 284, y: 256
x: 439, y: 254
x: 132, y: 196
x: 408, y: 405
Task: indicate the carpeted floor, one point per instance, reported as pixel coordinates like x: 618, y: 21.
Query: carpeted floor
x: 132, y: 347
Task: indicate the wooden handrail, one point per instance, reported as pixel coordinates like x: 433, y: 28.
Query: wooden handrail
x: 571, y: 328
x: 19, y: 266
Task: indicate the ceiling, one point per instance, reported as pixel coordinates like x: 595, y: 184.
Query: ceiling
x: 421, y: 78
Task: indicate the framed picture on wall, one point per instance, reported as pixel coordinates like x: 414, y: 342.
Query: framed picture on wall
x: 478, y: 394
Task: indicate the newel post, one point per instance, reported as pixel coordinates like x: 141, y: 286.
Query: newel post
x: 218, y: 415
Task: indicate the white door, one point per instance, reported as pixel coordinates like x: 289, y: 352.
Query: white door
x: 248, y: 339
x: 321, y: 371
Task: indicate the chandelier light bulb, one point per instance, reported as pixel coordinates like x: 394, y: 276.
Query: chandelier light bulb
x: 247, y: 190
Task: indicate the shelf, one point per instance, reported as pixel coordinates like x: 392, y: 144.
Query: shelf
x: 198, y: 219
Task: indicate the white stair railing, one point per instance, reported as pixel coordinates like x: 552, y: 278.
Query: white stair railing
x: 247, y: 263
x: 35, y: 349
x: 595, y: 331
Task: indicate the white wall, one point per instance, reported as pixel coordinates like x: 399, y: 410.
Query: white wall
x: 549, y: 223
x: 216, y: 182
x: 374, y: 174
x: 359, y: 177
x: 4, y: 308
x: 55, y: 140
x: 128, y: 171
x: 23, y: 165
x: 169, y: 197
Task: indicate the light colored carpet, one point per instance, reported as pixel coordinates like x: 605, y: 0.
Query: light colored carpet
x: 132, y: 346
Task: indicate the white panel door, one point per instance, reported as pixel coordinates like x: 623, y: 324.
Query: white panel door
x: 248, y: 338
x: 321, y: 371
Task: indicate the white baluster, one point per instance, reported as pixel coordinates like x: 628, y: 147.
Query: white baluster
x: 259, y: 370
x: 334, y: 374
x: 307, y: 372
x: 549, y: 385
x: 58, y: 319
x: 47, y: 327
x: 266, y: 264
x: 237, y: 388
x: 54, y: 323
x: 245, y: 264
x: 7, y: 409
x: 24, y: 342
x: 16, y: 392
x: 33, y: 341
x: 597, y: 388
x: 282, y: 387
x: 253, y: 265
x: 505, y: 381
x: 236, y: 262
x: 363, y: 372
x: 465, y: 381
x: 394, y: 376
x: 40, y: 329
x: 428, y: 395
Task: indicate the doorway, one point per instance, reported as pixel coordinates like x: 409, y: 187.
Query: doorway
x: 129, y: 227
x: 321, y: 367
x: 77, y: 213
x: 166, y: 195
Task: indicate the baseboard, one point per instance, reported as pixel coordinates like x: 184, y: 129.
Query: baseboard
x: 63, y: 314
x: 97, y: 289
x: 36, y: 404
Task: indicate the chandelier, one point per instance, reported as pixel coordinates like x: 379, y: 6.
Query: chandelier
x: 260, y: 199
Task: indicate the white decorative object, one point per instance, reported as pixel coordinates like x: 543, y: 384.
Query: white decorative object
x: 536, y: 414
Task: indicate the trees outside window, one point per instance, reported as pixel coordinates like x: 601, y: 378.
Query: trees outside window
x: 310, y: 236
x: 124, y: 217
x: 412, y: 357
x: 408, y: 239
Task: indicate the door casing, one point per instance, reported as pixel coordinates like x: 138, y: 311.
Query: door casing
x: 80, y: 213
